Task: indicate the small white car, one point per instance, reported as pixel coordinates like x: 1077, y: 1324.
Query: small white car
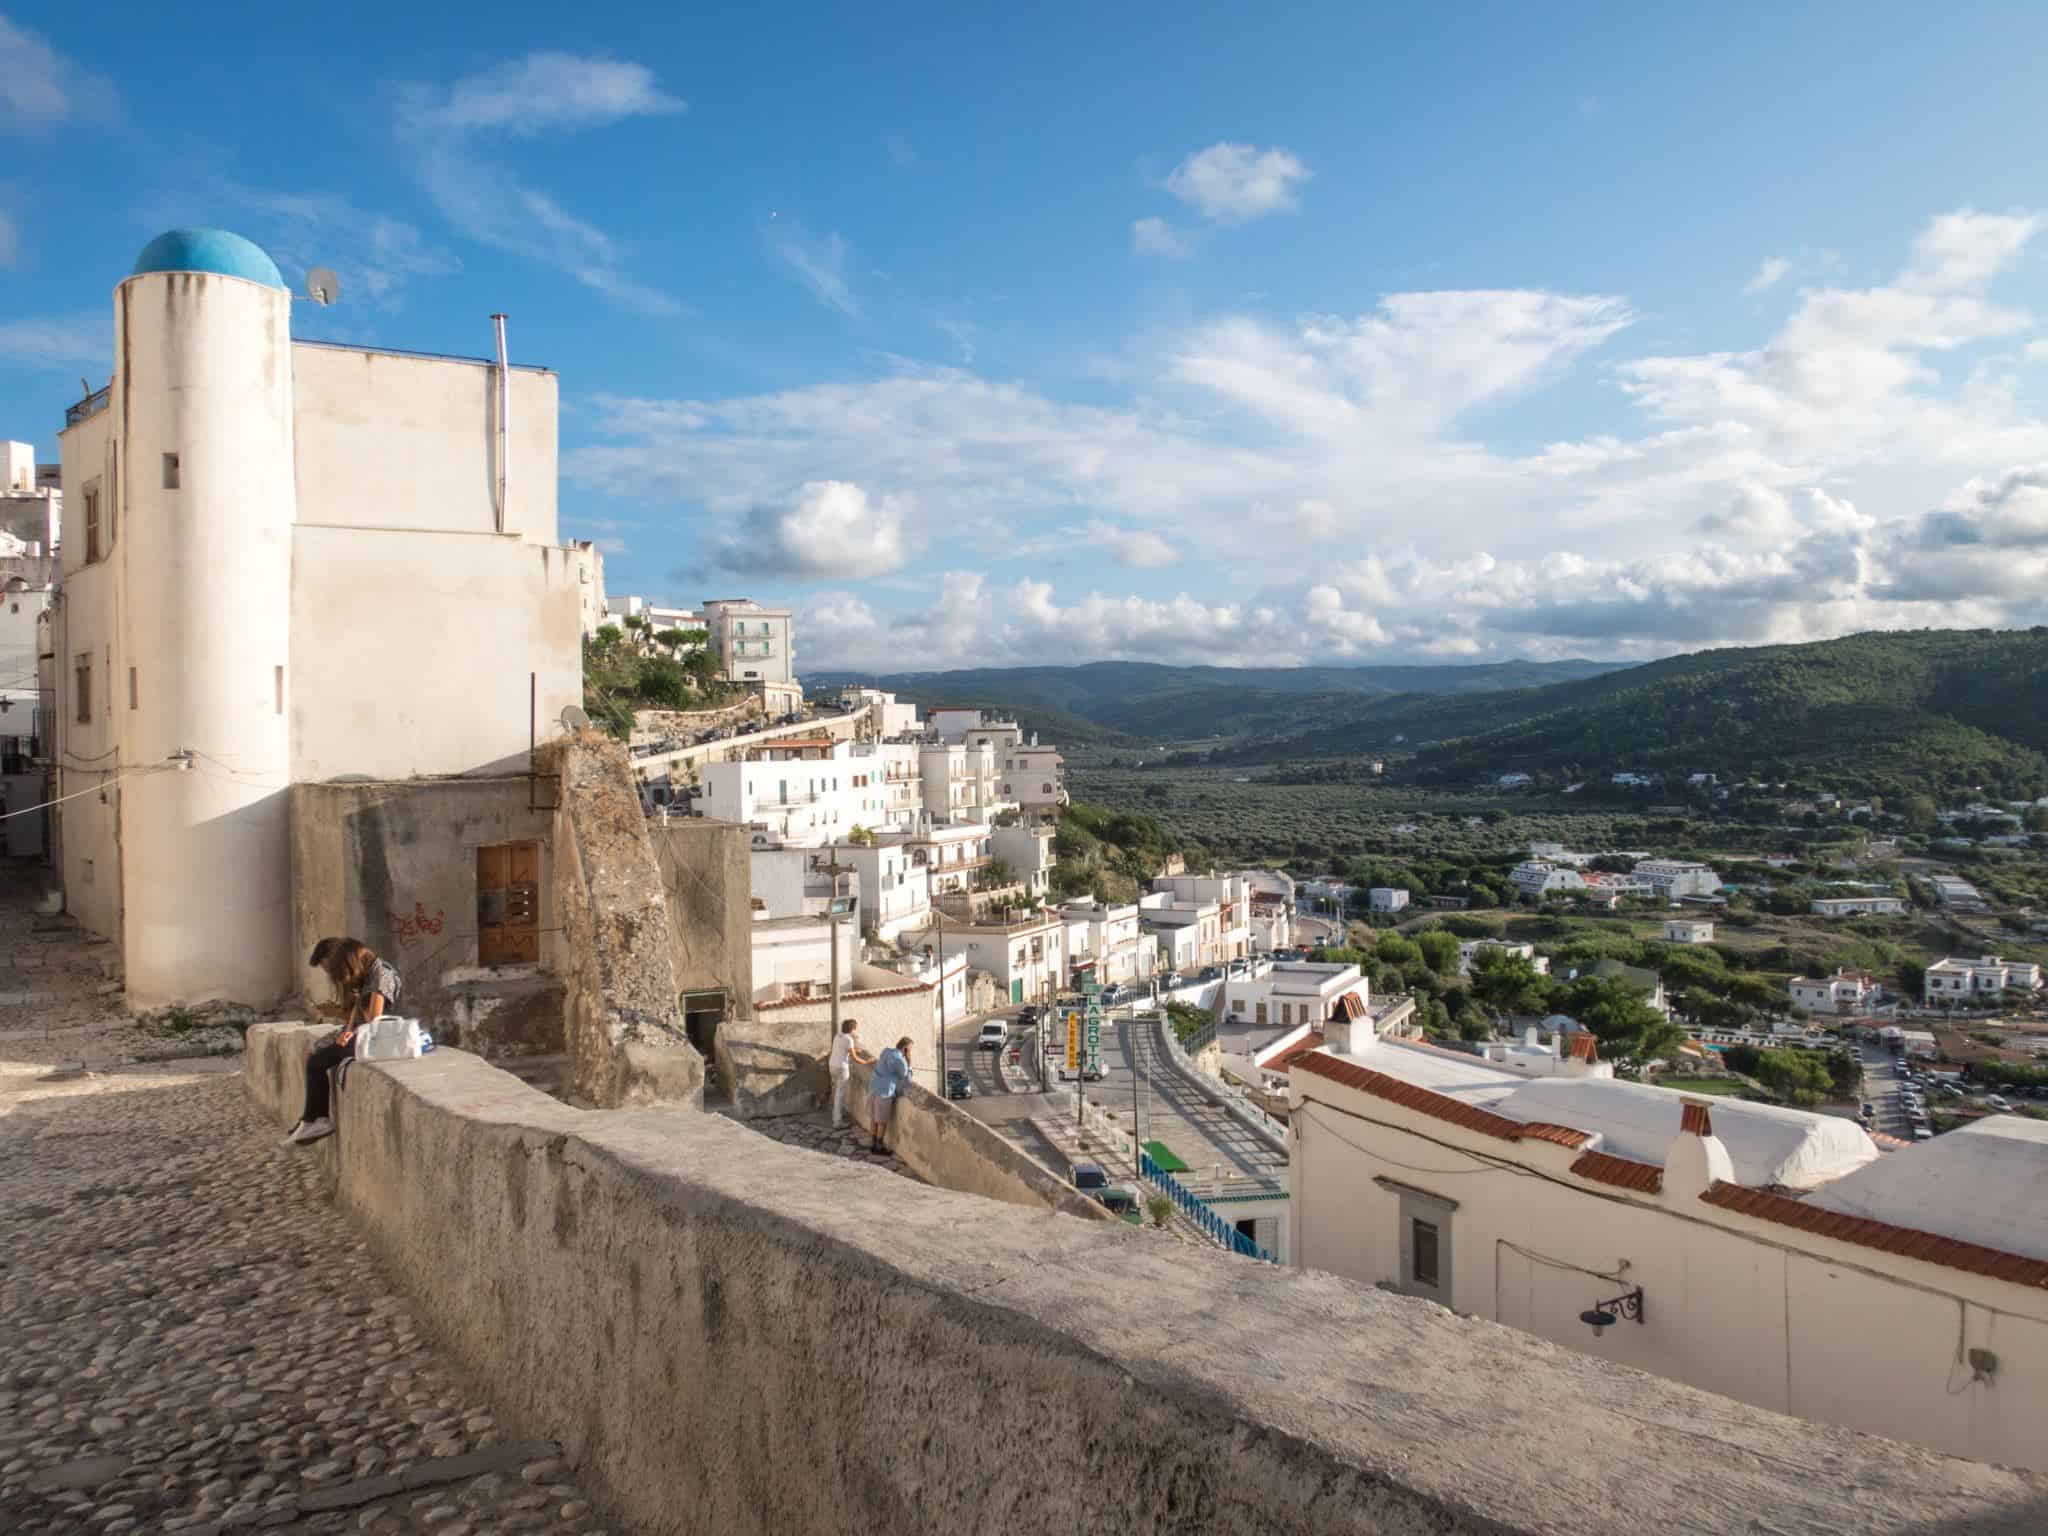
x: 995, y: 1034
x: 1997, y: 1102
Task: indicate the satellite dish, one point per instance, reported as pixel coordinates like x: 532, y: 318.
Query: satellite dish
x: 573, y: 718
x: 322, y: 285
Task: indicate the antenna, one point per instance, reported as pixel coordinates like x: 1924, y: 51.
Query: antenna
x: 322, y: 285
x: 573, y: 718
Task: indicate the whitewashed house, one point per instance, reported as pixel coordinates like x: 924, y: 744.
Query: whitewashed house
x: 1387, y: 898
x: 1844, y: 992
x: 1981, y: 980
x: 1859, y: 906
x: 1688, y: 931
x: 1674, y: 879
x: 1752, y: 1251
x: 1535, y: 879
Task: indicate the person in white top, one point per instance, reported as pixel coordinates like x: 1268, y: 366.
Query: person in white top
x: 845, y: 1052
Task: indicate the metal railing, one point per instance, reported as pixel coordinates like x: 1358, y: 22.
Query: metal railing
x: 1214, y: 1226
x: 91, y: 405
x: 1227, y: 1095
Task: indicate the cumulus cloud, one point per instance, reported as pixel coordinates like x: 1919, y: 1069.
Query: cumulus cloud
x: 1231, y: 183
x: 445, y: 131
x: 832, y: 529
x: 1156, y: 237
x: 1847, y: 470
x: 40, y: 88
x: 1767, y: 275
x: 375, y: 255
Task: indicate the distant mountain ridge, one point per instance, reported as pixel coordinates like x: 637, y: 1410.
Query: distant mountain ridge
x: 1914, y: 711
x: 1134, y: 701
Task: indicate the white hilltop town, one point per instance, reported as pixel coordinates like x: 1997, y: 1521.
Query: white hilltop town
x: 1177, y: 1221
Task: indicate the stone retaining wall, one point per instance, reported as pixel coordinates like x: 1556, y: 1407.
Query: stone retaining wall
x: 729, y: 1335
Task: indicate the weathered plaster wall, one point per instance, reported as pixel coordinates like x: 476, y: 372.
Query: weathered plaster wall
x: 705, y: 870
x: 729, y: 1335
x: 625, y: 1033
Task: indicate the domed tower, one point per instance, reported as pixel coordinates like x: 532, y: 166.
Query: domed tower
x: 202, y: 423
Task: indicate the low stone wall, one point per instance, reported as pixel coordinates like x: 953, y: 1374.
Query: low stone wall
x: 950, y: 1148
x: 729, y: 1335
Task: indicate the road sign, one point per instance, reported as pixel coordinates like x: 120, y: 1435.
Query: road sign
x: 1073, y: 1041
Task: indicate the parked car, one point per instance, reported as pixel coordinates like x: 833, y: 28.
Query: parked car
x: 958, y: 1086
x: 1122, y: 1200
x: 1089, y: 1178
x: 995, y: 1034
x: 1998, y: 1102
x: 1085, y: 1073
x: 1923, y: 1133
x: 1870, y: 1111
x: 1026, y: 1017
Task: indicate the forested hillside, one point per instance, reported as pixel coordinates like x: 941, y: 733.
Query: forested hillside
x: 1936, y: 710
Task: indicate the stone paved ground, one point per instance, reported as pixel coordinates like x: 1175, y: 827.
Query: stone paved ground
x: 191, y: 1339
x: 814, y: 1132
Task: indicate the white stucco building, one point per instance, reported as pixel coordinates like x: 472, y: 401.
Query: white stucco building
x: 1844, y: 992
x: 283, y: 561
x: 1680, y: 930
x: 1033, y: 777
x: 1859, y: 906
x: 1105, y: 940
x: 1216, y: 907
x: 31, y: 512
x: 1027, y: 954
x: 1672, y: 879
x: 1983, y: 979
x: 802, y: 791
x: 1767, y: 1254
x: 1386, y: 898
x: 895, y: 891
x: 1294, y: 992
x: 1472, y: 948
x: 1535, y: 879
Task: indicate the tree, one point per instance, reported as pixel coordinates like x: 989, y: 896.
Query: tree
x: 663, y: 684
x: 1394, y: 949
x: 1912, y: 978
x: 997, y: 872
x: 1439, y: 951
x: 1919, y: 812
x: 861, y: 837
x: 1472, y: 1023
x: 1621, y: 1018
x: 1508, y: 984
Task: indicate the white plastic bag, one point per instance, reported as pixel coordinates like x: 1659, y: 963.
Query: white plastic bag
x: 389, y: 1039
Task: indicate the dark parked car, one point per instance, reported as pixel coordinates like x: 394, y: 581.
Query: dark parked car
x: 958, y: 1086
x: 1089, y: 1178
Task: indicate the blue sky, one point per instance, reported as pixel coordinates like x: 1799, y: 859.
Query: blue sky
x: 1188, y: 334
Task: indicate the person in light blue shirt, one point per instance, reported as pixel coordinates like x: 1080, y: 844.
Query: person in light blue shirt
x: 892, y: 1073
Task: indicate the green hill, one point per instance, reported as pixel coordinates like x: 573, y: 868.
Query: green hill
x: 1128, y: 702
x: 1928, y: 711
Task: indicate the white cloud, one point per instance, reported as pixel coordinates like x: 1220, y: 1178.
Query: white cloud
x: 551, y: 90
x: 1156, y: 237
x: 1140, y: 548
x: 832, y: 530
x: 65, y: 341
x: 818, y: 262
x: 1774, y: 493
x: 40, y: 88
x: 373, y: 254
x: 1234, y: 182
x: 444, y: 131
x: 1767, y: 275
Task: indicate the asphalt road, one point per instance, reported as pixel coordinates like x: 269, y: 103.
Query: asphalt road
x: 1136, y: 1074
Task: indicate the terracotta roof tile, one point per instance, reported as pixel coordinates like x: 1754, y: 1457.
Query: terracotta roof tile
x: 1906, y: 1242
x: 1348, y: 1007
x: 1622, y: 1172
x: 1584, y: 1047
x: 845, y: 996
x: 1280, y: 1063
x: 1695, y: 1119
x: 1440, y: 1106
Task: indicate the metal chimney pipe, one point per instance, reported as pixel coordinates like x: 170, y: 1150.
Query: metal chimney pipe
x: 504, y: 421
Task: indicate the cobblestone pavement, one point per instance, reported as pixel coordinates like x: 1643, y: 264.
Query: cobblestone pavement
x: 193, y: 1340
x: 814, y: 1133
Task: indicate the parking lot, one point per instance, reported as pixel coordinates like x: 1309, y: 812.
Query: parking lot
x: 1905, y: 1098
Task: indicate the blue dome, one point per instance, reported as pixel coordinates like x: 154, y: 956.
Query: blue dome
x: 208, y: 250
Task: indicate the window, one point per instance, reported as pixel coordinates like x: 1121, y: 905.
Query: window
x: 82, y: 688
x: 170, y: 471
x: 131, y: 688
x: 92, y: 527
x: 1422, y: 1253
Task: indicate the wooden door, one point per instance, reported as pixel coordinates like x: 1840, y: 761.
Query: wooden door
x: 508, y: 904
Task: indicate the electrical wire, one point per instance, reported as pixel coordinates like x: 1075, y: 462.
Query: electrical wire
x: 139, y: 773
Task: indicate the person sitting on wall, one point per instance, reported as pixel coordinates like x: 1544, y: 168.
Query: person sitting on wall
x: 366, y: 986
x: 845, y: 1052
x: 892, y: 1072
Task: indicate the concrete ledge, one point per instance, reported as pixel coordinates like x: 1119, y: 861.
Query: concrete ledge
x: 732, y: 1335
x: 948, y: 1147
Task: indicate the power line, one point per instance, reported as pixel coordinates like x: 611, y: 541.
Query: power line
x: 138, y: 773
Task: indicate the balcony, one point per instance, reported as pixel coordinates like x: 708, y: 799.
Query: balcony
x: 90, y: 406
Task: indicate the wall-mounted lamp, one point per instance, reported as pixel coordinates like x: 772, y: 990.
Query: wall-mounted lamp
x: 1604, y: 1314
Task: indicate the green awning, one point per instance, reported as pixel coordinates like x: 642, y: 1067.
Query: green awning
x: 1162, y: 1155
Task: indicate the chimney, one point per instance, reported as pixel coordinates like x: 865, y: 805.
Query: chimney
x: 1350, y: 1032
x: 1697, y: 1159
x: 1578, y: 1055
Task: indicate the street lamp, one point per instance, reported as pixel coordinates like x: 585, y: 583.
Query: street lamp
x: 1605, y: 1314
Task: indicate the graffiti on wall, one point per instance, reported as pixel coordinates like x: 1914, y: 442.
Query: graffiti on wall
x: 419, y: 926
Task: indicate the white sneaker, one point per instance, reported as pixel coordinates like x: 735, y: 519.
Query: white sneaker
x: 309, y: 1131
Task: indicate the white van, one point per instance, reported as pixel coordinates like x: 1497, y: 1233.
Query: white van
x: 995, y: 1034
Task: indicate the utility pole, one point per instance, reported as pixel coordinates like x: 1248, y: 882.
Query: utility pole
x: 941, y: 916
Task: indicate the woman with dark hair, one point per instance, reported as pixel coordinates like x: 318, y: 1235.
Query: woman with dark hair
x: 367, y: 987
